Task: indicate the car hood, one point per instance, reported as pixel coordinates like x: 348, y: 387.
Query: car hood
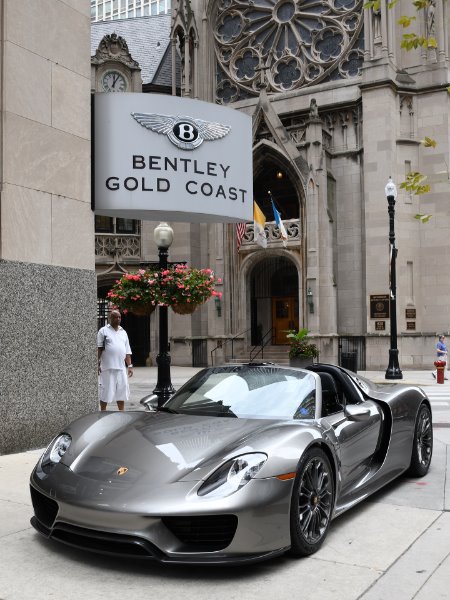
x: 165, y: 448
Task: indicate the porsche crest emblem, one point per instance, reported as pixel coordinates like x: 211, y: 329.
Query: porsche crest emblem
x: 122, y: 470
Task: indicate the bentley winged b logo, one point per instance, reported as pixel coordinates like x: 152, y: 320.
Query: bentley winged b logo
x: 185, y: 132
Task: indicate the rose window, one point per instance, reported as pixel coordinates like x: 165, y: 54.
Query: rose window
x: 285, y: 44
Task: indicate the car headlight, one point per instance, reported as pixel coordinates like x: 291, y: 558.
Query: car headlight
x: 56, y: 450
x: 233, y: 475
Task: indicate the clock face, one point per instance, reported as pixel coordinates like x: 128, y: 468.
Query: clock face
x: 113, y: 81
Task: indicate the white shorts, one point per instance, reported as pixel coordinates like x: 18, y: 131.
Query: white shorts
x: 113, y: 385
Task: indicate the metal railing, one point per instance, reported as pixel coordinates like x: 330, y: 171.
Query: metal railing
x: 352, y: 353
x: 223, y: 344
x: 259, y: 348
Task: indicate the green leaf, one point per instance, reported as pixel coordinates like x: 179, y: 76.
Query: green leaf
x: 423, y: 218
x: 374, y: 4
x: 412, y: 40
x: 422, y: 189
x: 428, y: 142
x: 405, y: 21
x: 421, y: 4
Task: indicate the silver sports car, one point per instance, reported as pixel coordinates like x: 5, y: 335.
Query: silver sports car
x: 243, y: 463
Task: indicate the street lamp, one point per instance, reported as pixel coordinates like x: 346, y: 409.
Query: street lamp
x: 393, y: 371
x: 163, y: 236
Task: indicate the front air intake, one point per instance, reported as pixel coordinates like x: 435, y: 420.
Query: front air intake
x: 203, y: 533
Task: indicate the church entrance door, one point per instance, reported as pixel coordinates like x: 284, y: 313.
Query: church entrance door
x: 284, y: 317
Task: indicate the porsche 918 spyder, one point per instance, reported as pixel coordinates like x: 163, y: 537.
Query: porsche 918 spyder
x: 244, y: 462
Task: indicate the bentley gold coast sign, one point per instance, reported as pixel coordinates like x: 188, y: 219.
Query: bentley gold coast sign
x: 164, y: 157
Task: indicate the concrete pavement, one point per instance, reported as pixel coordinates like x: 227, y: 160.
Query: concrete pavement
x: 395, y: 546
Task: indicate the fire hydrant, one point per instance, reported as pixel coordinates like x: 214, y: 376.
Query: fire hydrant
x: 440, y: 366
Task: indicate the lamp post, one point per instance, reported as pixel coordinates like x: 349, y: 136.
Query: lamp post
x: 163, y: 236
x: 393, y: 371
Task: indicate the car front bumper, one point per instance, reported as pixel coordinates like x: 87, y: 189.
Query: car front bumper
x: 173, y: 527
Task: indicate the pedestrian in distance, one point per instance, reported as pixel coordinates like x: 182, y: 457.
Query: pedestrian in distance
x: 114, y: 363
x: 441, y: 353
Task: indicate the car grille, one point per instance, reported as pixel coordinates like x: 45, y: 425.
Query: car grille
x: 203, y: 533
x: 44, y: 507
x: 104, y: 542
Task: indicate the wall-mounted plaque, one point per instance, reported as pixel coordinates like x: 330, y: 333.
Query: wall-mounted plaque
x: 379, y: 306
x: 380, y: 325
x: 411, y: 325
x: 410, y: 313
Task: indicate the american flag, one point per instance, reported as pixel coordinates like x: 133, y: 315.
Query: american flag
x: 240, y: 232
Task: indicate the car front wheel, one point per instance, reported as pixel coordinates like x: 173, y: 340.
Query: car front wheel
x: 422, y: 443
x: 312, y: 503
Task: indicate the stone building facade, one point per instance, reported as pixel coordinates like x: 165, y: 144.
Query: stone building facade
x: 338, y: 107
x: 47, y: 276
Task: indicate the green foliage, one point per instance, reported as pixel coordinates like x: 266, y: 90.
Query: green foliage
x: 373, y: 4
x: 423, y: 218
x: 411, y: 41
x: 421, y: 4
x: 406, y: 21
x: 428, y: 142
x: 414, y: 183
x: 300, y: 345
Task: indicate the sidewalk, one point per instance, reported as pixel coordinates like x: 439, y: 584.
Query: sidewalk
x: 394, y: 546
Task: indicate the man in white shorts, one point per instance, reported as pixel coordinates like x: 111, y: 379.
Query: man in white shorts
x: 114, y: 363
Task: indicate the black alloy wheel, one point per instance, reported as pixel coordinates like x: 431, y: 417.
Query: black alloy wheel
x: 422, y: 443
x: 312, y: 503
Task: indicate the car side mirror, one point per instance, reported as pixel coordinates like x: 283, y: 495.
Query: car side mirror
x: 150, y: 402
x: 357, y: 412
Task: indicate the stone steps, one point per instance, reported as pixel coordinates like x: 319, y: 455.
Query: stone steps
x: 274, y: 354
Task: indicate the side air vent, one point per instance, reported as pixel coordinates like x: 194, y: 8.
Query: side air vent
x: 44, y: 507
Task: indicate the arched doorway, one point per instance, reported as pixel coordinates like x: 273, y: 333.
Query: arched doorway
x: 273, y: 299
x: 137, y: 328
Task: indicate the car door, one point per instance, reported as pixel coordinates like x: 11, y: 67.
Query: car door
x: 357, y: 441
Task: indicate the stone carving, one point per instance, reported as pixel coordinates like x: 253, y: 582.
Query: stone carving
x: 114, y: 47
x: 293, y: 231
x: 291, y: 44
x: 313, y: 109
x: 125, y: 247
x: 376, y: 23
x: 431, y: 27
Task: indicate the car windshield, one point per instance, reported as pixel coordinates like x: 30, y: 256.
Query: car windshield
x: 248, y: 392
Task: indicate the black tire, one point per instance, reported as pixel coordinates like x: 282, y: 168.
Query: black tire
x: 312, y: 503
x: 422, y: 449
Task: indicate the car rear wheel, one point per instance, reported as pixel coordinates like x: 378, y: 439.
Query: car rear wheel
x: 422, y: 443
x: 312, y: 503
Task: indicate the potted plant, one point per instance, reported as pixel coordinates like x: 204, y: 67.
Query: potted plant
x: 136, y: 292
x: 302, y: 352
x: 179, y: 286
x: 185, y: 288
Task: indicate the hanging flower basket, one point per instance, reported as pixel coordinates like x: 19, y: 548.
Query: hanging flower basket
x: 142, y: 310
x: 186, y: 288
x: 185, y: 308
x: 178, y: 286
x: 136, y: 292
